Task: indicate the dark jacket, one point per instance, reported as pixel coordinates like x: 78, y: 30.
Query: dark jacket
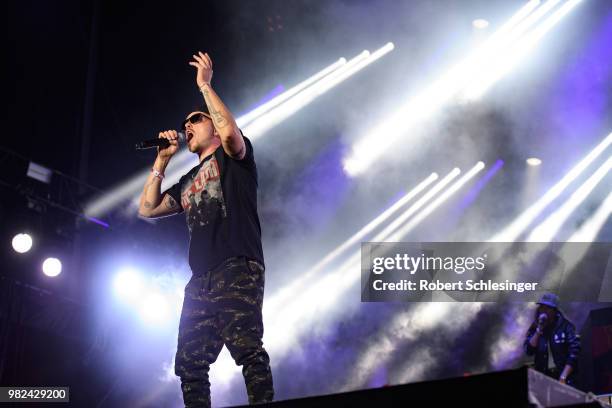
x: 564, y: 345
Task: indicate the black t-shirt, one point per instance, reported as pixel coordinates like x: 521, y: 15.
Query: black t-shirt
x: 219, y: 198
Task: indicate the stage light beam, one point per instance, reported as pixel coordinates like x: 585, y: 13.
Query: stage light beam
x: 284, y: 294
x: 503, y: 61
x: 259, y: 111
x: 547, y: 230
x: 409, y: 226
x: 424, y: 104
x: 329, y: 288
x: 589, y: 230
x: 303, y: 98
x: 520, y: 224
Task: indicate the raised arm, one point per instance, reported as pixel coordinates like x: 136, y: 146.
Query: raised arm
x: 222, y: 118
x: 154, y: 204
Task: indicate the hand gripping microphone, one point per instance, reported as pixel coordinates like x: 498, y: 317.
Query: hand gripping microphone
x: 158, y: 142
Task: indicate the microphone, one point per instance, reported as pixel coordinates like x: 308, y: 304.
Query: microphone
x: 158, y: 142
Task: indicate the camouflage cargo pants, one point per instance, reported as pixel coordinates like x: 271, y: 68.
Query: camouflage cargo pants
x: 221, y: 307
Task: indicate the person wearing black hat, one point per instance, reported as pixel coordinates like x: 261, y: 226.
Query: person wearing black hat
x: 224, y: 297
x: 552, y: 333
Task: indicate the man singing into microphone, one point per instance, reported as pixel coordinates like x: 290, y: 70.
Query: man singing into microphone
x: 223, y: 299
x: 552, y: 332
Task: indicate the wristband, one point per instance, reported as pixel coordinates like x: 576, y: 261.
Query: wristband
x: 157, y: 174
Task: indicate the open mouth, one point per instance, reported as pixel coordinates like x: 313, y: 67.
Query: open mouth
x: 189, y: 135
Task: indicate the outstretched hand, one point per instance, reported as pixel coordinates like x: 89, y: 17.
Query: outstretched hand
x: 203, y: 63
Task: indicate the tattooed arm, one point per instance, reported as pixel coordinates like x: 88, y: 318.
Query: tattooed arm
x: 153, y: 204
x: 222, y: 118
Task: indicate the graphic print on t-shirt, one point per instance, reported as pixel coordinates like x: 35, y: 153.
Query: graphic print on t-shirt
x: 202, y: 197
